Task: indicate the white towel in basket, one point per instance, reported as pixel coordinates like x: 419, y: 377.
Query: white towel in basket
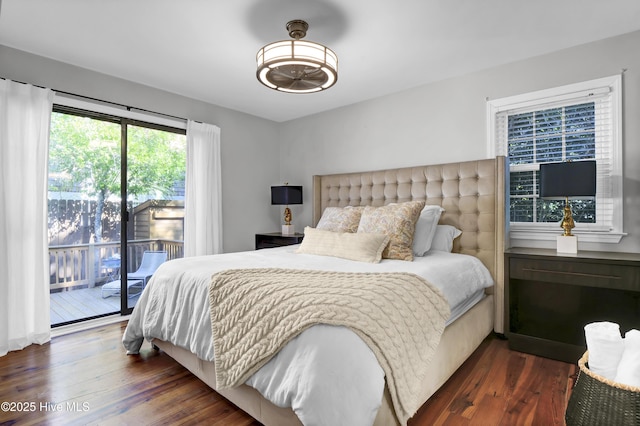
x: 605, y: 346
x: 629, y: 367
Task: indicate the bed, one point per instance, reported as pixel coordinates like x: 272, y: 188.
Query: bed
x: 472, y: 195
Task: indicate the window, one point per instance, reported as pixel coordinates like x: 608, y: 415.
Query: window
x: 100, y: 155
x: 570, y: 123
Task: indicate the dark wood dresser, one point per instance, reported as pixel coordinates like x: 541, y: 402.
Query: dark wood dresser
x: 550, y: 297
x: 277, y: 239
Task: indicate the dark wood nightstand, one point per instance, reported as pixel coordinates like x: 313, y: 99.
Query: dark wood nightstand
x: 549, y: 298
x: 277, y: 239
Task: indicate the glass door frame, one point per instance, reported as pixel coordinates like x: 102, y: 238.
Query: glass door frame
x: 124, y: 211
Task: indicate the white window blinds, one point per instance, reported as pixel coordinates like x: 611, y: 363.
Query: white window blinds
x: 562, y: 124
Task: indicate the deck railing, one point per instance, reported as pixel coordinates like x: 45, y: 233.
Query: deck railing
x: 85, y: 265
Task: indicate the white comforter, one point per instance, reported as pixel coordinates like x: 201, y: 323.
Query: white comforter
x: 306, y: 373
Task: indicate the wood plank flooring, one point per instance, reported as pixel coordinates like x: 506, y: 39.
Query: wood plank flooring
x: 88, y: 377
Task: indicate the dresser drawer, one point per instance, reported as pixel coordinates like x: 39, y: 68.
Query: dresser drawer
x: 581, y: 273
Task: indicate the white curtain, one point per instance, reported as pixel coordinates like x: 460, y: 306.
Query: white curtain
x: 203, y: 193
x: 25, y: 115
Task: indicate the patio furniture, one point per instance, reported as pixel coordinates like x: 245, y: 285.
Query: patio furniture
x: 112, y: 288
x: 111, y: 267
x: 151, y: 260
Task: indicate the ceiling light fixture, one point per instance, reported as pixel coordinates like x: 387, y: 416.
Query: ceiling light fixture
x: 297, y: 66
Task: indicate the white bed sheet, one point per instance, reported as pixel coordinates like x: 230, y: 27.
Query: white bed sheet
x: 305, y: 374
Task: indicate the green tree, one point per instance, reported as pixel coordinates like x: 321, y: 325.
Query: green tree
x: 84, y: 156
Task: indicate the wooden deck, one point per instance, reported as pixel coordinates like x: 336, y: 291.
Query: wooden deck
x: 74, y: 305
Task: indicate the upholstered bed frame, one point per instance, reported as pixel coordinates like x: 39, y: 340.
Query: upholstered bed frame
x: 473, y: 196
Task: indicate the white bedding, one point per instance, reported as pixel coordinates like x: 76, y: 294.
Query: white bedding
x: 305, y: 374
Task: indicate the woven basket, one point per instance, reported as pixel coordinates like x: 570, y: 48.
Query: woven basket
x: 598, y: 401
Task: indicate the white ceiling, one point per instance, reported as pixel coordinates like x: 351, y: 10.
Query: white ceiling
x: 205, y: 49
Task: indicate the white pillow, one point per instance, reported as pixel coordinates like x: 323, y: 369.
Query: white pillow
x: 360, y: 246
x: 426, y: 229
x: 443, y: 238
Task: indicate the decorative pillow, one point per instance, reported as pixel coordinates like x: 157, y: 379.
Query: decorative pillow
x: 347, y: 245
x: 398, y: 221
x: 340, y: 219
x: 443, y: 238
x: 426, y: 229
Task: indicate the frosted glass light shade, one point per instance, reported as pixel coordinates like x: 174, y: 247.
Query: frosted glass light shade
x: 297, y: 66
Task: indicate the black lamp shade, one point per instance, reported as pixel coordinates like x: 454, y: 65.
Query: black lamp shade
x: 285, y: 195
x: 569, y: 179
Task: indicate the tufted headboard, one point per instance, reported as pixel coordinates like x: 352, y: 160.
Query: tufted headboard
x: 472, y: 194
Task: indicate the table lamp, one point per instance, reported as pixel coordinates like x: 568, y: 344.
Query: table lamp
x: 564, y: 180
x: 284, y: 196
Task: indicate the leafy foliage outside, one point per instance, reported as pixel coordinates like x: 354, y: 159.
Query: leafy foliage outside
x: 546, y: 136
x: 84, y: 157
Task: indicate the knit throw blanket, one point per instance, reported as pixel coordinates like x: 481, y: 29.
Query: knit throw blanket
x: 255, y: 312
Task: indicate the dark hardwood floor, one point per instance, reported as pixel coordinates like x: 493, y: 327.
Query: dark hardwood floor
x: 86, y: 378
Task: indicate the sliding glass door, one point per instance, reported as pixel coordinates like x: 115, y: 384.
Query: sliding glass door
x: 155, y: 175
x: 84, y: 216
x: 103, y: 250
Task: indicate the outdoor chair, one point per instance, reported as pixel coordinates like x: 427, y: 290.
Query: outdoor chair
x: 151, y: 260
x: 112, y: 288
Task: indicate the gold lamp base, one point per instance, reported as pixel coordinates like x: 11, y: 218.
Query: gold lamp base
x: 288, y: 228
x: 567, y: 221
x: 287, y: 216
x: 567, y: 242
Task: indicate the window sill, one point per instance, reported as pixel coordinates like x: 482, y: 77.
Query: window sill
x: 602, y: 237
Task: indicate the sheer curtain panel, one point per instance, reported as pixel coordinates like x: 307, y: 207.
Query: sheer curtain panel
x: 203, y: 192
x: 25, y: 115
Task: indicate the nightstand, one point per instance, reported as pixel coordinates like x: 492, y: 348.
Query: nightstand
x: 550, y: 297
x: 277, y: 239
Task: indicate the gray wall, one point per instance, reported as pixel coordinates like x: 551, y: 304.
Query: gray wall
x: 435, y: 123
x: 446, y: 121
x: 249, y: 147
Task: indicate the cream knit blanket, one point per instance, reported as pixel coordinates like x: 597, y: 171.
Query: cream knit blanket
x: 255, y: 312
